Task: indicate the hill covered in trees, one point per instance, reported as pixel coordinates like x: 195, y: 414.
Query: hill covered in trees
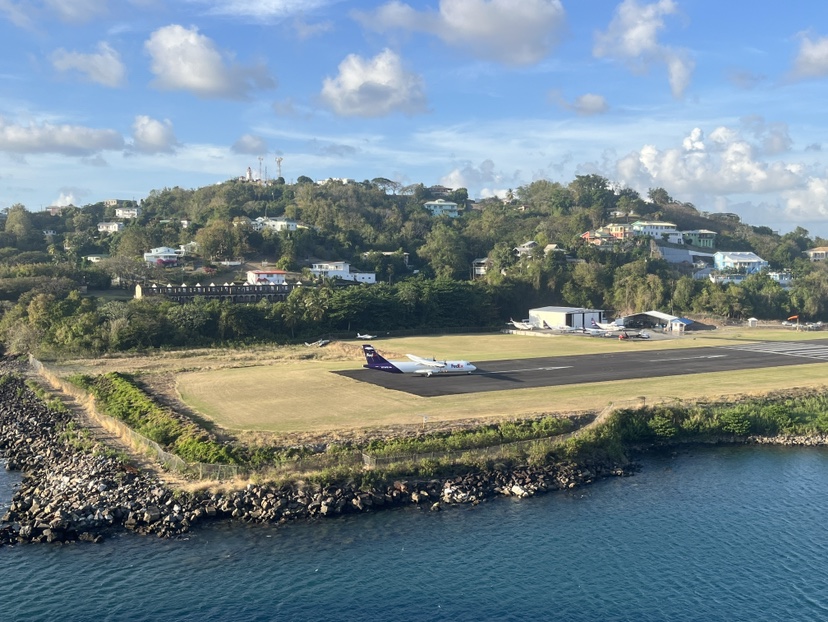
x: 375, y: 225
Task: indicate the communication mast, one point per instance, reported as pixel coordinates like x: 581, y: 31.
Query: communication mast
x: 260, y: 169
x: 279, y: 164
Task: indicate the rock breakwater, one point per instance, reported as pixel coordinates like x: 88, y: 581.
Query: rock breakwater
x: 75, y: 489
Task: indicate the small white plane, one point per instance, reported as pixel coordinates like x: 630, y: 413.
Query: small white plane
x: 318, y: 344
x: 634, y: 335
x: 365, y: 336
x: 524, y: 325
x: 417, y: 364
x: 612, y: 326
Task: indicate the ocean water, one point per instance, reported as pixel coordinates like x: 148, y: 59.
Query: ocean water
x: 737, y: 533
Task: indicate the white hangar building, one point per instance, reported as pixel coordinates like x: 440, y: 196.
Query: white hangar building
x: 573, y: 317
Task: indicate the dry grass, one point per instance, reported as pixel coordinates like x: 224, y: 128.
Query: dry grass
x: 281, y: 390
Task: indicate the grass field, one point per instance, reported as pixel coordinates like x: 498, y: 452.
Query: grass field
x: 291, y: 393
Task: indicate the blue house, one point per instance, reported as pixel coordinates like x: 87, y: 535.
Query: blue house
x: 743, y: 262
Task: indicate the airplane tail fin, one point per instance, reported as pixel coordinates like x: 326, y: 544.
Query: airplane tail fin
x: 594, y: 325
x: 374, y: 360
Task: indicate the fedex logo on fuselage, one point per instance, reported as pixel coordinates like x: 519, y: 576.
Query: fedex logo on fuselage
x: 456, y: 365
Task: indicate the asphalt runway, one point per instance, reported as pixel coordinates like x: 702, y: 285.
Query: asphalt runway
x: 562, y: 370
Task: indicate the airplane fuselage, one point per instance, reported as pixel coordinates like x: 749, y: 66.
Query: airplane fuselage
x: 410, y: 367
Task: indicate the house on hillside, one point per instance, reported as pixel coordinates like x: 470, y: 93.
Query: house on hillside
x: 820, y: 253
x: 163, y: 256
x: 481, y: 266
x: 659, y: 230
x: 441, y: 207
x: 127, y: 212
x: 110, y: 227
x: 274, y: 277
x: 342, y: 270
x: 439, y: 191
x: 526, y: 249
x: 700, y: 237
x: 742, y: 261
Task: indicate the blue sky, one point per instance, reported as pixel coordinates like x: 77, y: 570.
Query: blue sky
x: 720, y: 103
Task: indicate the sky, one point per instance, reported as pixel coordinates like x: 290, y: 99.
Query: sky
x: 718, y: 102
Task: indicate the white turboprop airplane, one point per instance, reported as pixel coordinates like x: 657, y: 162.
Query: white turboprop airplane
x: 365, y: 336
x: 612, y: 326
x: 525, y: 325
x: 417, y: 364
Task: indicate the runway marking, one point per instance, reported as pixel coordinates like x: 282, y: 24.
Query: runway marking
x: 515, y: 371
x: 690, y: 358
x: 786, y: 348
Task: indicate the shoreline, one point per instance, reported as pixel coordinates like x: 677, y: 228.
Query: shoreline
x: 69, y: 494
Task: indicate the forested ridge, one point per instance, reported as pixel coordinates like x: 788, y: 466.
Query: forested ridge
x: 41, y: 309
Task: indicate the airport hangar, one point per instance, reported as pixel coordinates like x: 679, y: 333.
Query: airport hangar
x: 576, y: 317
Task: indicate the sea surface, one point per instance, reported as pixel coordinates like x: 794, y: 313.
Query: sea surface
x: 737, y: 533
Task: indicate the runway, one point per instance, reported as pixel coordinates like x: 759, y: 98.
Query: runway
x: 563, y: 370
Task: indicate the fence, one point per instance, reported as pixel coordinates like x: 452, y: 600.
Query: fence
x: 169, y: 461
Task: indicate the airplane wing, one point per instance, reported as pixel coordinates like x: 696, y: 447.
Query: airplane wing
x: 422, y: 361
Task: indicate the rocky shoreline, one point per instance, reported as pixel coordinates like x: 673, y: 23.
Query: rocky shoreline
x: 71, y: 491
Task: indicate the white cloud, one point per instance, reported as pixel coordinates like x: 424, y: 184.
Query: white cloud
x: 16, y: 14
x: 71, y: 196
x: 250, y: 144
x: 514, y: 32
x: 632, y: 37
x: 729, y: 163
x: 262, y: 10
x: 585, y: 105
x: 374, y: 87
x: 812, y: 59
x: 153, y: 136
x: 104, y: 67
x: 183, y: 59
x: 467, y: 175
x: 305, y: 30
x: 78, y: 10
x: 63, y: 139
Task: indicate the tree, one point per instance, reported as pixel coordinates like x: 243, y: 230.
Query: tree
x: 445, y: 252
x: 659, y: 196
x: 218, y: 241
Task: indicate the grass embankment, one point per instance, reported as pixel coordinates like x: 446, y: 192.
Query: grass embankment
x: 118, y: 396
x: 789, y: 413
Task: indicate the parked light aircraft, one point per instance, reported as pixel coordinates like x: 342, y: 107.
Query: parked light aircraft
x: 525, y: 325
x: 637, y: 335
x: 611, y: 326
x: 318, y: 344
x: 365, y: 336
x: 417, y: 364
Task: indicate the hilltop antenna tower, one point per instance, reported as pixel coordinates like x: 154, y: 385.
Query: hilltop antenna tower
x: 260, y: 169
x: 279, y: 164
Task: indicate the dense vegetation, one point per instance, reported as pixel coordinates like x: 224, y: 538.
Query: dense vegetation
x: 40, y: 275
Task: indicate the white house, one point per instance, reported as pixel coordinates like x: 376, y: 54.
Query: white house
x: 742, y: 261
x: 658, y: 230
x: 95, y: 258
x: 525, y: 249
x: 127, y: 212
x: 259, y: 277
x: 342, y: 270
x: 820, y: 253
x: 274, y: 224
x: 163, y: 256
x: 441, y: 207
x: 110, y: 227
